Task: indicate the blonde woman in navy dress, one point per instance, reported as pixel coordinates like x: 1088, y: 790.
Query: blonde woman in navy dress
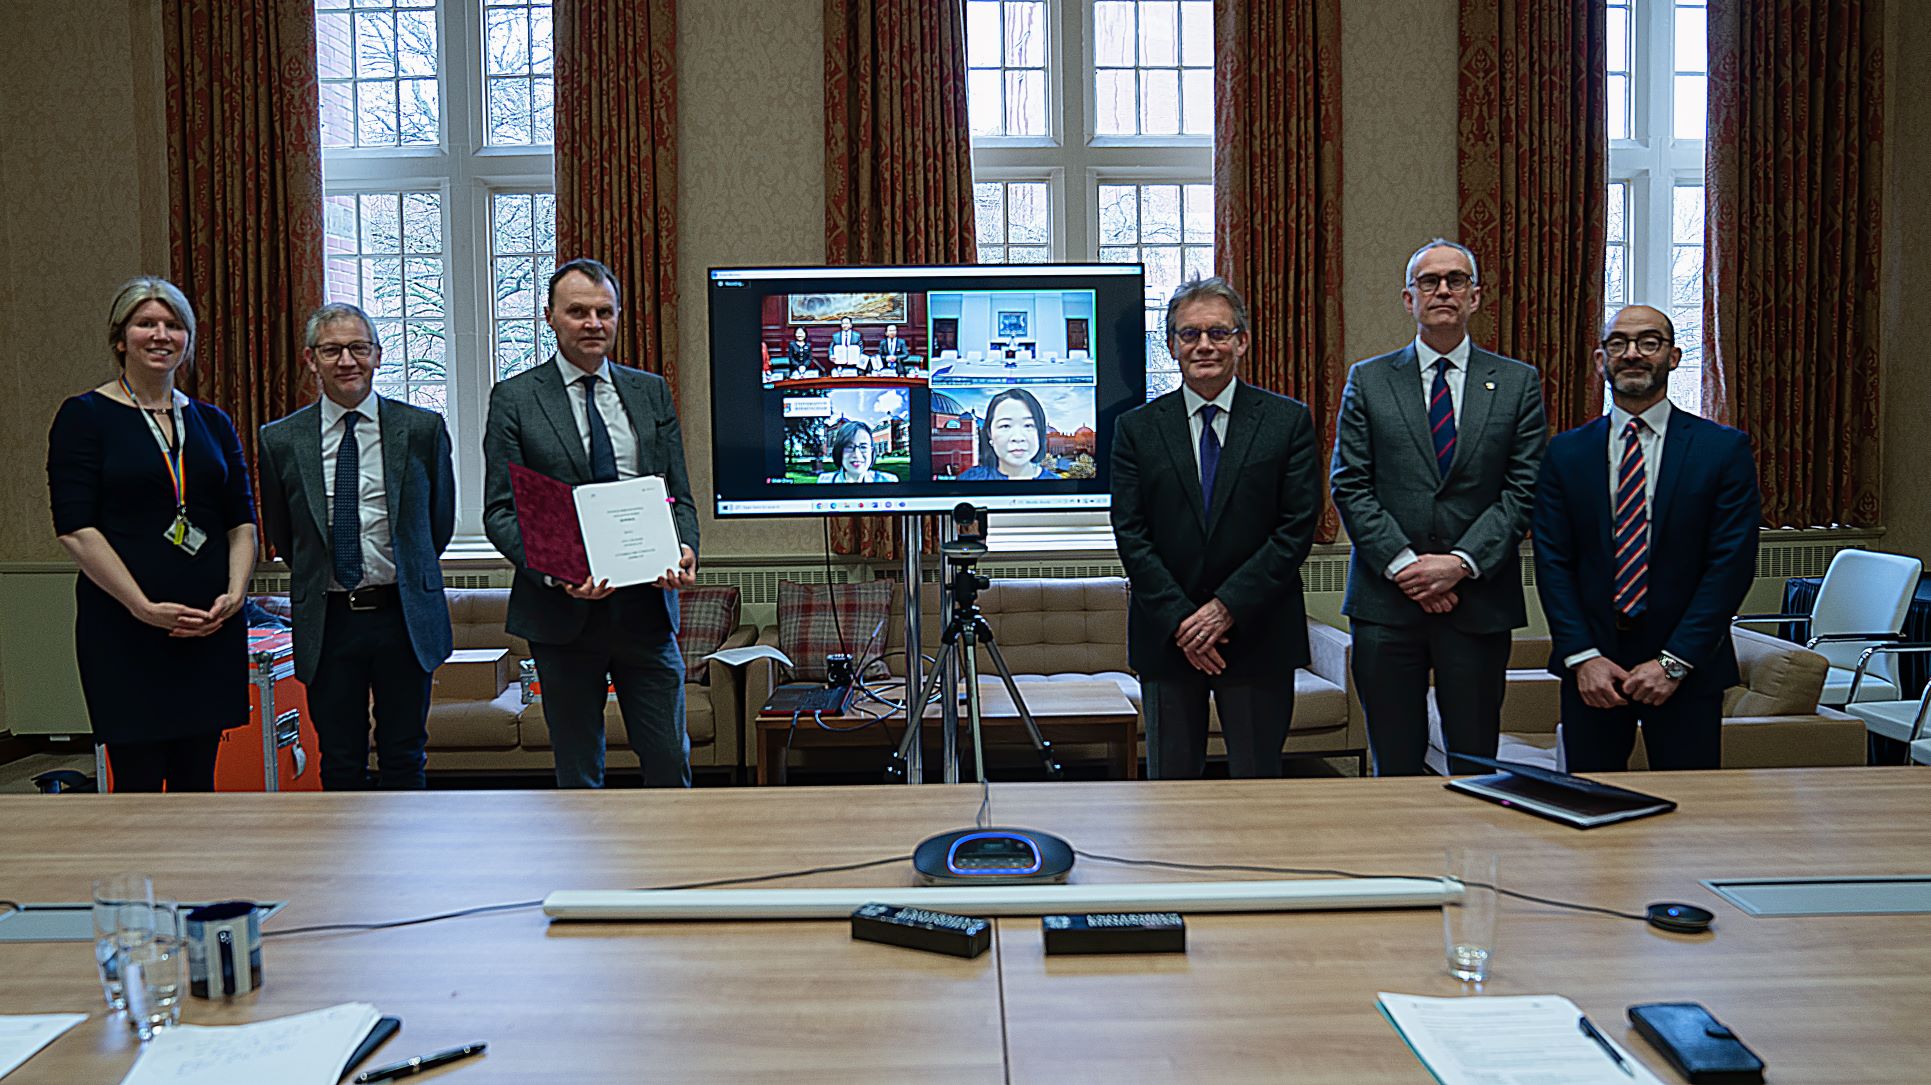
x: 150, y: 497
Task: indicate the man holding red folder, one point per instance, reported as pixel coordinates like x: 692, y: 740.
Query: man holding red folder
x: 578, y: 418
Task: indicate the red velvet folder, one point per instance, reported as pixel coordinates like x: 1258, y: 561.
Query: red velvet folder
x: 546, y: 514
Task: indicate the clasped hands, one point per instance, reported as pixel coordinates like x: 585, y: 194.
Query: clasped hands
x: 181, y: 620
x: 684, y: 576
x: 1202, y: 633
x: 1604, y: 684
x: 1430, y: 581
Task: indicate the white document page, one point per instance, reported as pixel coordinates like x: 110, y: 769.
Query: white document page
x: 306, y: 1049
x: 628, y: 533
x: 1521, y: 1040
x: 732, y: 657
x: 23, y: 1035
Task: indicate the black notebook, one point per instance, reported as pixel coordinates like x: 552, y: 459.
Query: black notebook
x: 1557, y: 796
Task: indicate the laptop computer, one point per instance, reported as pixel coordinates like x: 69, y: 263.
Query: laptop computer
x: 1557, y: 796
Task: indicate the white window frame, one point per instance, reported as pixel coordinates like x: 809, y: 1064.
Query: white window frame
x: 465, y: 171
x: 1075, y: 162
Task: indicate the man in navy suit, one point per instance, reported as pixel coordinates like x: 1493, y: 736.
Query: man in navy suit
x: 1645, y: 543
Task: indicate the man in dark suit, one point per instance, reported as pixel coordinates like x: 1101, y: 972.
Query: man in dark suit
x: 1435, y: 457
x: 892, y: 351
x: 579, y: 419
x: 359, y: 498
x: 1216, y: 488
x: 1645, y: 544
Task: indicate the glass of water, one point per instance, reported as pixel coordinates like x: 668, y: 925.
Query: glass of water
x: 123, y: 909
x: 1468, y: 921
x: 154, y: 969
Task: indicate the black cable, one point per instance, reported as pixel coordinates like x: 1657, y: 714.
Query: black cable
x: 1331, y: 873
x: 711, y: 883
x: 11, y: 906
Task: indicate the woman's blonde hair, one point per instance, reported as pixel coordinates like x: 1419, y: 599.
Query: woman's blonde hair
x: 131, y: 296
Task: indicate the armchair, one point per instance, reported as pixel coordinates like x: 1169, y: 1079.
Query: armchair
x: 1862, y: 602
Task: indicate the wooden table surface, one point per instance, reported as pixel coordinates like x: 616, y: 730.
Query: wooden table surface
x: 1074, y: 711
x: 1286, y: 997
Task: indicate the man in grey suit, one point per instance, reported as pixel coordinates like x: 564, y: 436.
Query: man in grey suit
x: 1216, y: 487
x: 579, y: 419
x: 359, y: 499
x: 1436, y: 451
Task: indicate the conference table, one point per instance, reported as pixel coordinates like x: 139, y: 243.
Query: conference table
x: 1256, y: 997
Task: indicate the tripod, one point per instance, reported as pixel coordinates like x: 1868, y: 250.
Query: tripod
x: 967, y: 626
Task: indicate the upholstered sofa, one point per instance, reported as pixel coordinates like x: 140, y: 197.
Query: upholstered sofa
x: 504, y: 734
x: 1770, y: 720
x: 1063, y: 629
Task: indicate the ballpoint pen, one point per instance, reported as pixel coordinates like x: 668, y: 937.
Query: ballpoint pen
x: 420, y: 1063
x: 1615, y: 1056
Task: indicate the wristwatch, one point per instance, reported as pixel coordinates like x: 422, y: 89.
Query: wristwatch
x: 1673, y: 669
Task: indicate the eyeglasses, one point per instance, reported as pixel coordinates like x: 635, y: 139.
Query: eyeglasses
x: 362, y: 350
x: 1647, y: 343
x: 1458, y: 281
x: 1217, y: 333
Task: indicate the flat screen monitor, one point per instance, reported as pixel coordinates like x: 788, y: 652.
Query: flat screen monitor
x: 910, y: 389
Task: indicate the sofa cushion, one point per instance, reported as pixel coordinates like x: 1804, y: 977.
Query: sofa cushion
x: 809, y: 630
x: 1779, y: 678
x: 705, y: 616
x: 477, y: 725
x: 476, y: 617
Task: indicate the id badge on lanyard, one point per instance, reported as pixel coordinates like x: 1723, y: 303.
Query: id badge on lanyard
x: 181, y: 533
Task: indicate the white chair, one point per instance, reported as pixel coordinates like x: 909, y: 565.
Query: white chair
x: 1898, y: 720
x: 1863, y: 601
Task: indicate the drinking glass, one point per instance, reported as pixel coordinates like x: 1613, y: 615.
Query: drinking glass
x: 123, y: 908
x: 1468, y: 923
x: 154, y: 969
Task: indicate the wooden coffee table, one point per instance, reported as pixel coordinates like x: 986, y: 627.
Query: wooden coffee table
x: 1082, y: 711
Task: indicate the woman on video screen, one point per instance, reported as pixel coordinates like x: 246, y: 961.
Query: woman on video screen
x: 1012, y: 444
x: 851, y: 450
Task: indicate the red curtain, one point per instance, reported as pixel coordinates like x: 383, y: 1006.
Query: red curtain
x: 1794, y: 200
x: 898, y: 161
x: 1533, y: 169
x: 245, y: 196
x: 616, y: 162
x: 1277, y: 195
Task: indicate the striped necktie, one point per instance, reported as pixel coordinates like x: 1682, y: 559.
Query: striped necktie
x: 1632, y: 524
x: 1441, y: 418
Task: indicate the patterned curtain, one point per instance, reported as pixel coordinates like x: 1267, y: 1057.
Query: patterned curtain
x: 1277, y: 194
x: 1794, y: 165
x: 898, y: 162
x: 1533, y: 170
x: 245, y: 197
x: 616, y: 162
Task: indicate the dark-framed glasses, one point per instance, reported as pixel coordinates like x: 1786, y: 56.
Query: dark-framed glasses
x: 1458, y: 282
x: 361, y: 350
x: 1646, y: 344
x: 1218, y: 333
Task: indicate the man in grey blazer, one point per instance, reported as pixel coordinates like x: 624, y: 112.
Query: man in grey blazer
x: 579, y: 419
x: 358, y: 496
x: 1436, y: 451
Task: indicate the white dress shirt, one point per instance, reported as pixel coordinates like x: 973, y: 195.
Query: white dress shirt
x: 1457, y: 378
x: 1225, y: 401
x: 623, y: 437
x: 372, y: 494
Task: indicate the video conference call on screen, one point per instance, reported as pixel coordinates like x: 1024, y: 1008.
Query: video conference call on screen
x: 908, y: 389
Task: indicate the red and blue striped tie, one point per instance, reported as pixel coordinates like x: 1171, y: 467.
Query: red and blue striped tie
x: 1632, y: 524
x: 1441, y: 418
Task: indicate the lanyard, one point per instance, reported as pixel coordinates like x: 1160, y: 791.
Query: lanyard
x: 172, y: 450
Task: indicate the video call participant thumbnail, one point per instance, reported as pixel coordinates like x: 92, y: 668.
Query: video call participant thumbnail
x: 1012, y: 443
x: 852, y: 450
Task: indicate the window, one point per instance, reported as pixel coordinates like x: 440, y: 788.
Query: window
x: 1658, y: 104
x: 438, y: 213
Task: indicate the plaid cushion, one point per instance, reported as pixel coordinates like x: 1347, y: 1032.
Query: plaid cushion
x: 807, y: 632
x: 706, y: 615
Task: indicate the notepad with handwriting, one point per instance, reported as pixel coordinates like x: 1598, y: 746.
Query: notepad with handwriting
x: 305, y: 1049
x: 22, y: 1035
x: 1513, y: 1040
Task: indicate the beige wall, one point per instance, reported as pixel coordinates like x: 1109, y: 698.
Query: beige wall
x: 1907, y: 275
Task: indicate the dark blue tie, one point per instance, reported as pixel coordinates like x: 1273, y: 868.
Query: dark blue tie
x: 1632, y: 524
x: 603, y: 457
x: 1441, y: 418
x: 345, y: 518
x: 1209, y: 459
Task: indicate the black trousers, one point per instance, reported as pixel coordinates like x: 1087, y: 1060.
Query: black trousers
x: 1254, y: 717
x: 647, y: 672
x: 368, y: 653
x: 179, y: 764
x: 1681, y: 733
x: 1391, y: 671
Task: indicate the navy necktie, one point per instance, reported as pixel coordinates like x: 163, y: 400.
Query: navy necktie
x: 345, y: 518
x: 1209, y: 459
x: 603, y: 456
x: 1441, y: 418
x: 1632, y: 524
